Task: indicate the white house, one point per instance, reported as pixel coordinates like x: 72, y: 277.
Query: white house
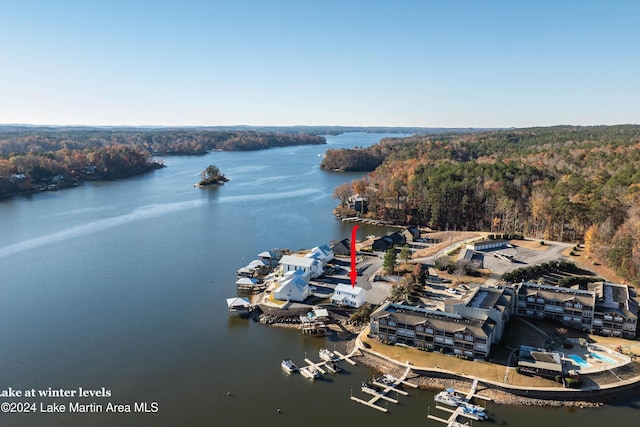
x: 307, y: 264
x: 293, y: 287
x: 347, y: 295
x: 323, y: 253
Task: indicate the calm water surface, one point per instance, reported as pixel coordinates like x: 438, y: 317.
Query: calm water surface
x: 122, y: 285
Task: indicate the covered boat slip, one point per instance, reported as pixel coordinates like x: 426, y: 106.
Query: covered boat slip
x: 250, y: 284
x: 239, y: 307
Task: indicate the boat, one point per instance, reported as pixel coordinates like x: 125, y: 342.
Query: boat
x: 474, y: 411
x: 449, y: 397
x: 327, y: 355
x: 369, y: 388
x: 386, y: 379
x: 289, y: 366
x: 309, y: 372
x: 333, y: 366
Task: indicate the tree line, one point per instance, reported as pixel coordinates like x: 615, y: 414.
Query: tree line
x: 32, y: 159
x: 562, y: 183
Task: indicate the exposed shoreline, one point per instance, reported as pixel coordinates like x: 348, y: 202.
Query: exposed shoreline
x: 440, y: 381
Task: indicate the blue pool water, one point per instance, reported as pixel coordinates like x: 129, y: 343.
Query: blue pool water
x: 603, y: 358
x: 579, y: 360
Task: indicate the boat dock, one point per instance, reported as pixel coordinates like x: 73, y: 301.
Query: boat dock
x: 340, y: 357
x: 452, y: 421
x: 386, y: 389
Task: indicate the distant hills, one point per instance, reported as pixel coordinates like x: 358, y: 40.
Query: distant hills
x: 310, y: 130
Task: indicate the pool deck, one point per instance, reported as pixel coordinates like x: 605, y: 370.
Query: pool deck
x: 595, y: 364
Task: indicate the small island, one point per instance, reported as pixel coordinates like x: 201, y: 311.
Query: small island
x: 211, y: 176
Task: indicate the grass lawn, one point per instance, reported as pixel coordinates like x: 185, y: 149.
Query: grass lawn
x: 481, y: 369
x: 436, y: 360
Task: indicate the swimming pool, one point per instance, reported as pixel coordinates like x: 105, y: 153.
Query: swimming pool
x: 603, y: 358
x: 579, y: 360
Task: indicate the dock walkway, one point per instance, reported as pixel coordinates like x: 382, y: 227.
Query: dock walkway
x: 382, y: 395
x: 340, y: 357
x: 452, y: 421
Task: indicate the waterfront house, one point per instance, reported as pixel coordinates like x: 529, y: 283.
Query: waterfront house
x: 346, y: 295
x: 382, y: 244
x: 411, y: 234
x: 342, y: 247
x: 385, y: 243
x: 307, y: 264
x: 432, y: 330
x: 323, y: 254
x: 358, y: 204
x: 293, y: 287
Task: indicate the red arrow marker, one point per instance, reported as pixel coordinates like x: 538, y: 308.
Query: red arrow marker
x: 354, y: 272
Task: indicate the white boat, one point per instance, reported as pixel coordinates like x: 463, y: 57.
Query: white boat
x: 309, y: 372
x: 387, y: 379
x: 333, y: 366
x: 289, y: 366
x: 449, y: 397
x: 474, y: 411
x: 326, y: 355
x: 369, y: 388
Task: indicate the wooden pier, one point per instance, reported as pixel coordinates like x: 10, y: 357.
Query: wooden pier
x: 382, y: 395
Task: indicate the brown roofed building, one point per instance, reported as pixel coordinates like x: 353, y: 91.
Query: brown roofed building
x: 433, y: 330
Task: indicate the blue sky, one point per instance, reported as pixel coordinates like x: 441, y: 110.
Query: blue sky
x: 441, y: 63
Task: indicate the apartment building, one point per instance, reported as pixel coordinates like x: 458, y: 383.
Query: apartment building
x: 603, y: 308
x: 433, y: 330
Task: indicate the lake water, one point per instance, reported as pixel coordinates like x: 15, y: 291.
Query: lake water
x: 122, y: 286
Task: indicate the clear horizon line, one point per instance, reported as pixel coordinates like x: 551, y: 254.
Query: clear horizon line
x: 302, y: 126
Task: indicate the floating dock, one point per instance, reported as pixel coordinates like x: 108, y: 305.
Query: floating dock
x: 319, y: 366
x: 452, y: 421
x: 382, y: 395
